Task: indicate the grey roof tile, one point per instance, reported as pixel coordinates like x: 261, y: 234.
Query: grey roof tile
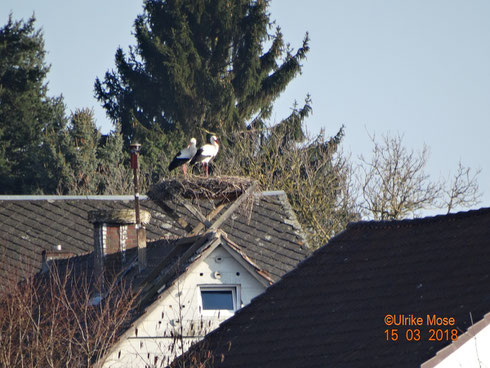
x: 29, y: 225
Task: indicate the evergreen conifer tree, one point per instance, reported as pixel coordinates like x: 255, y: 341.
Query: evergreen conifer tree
x: 114, y: 172
x: 79, y: 147
x: 30, y: 121
x: 199, y: 66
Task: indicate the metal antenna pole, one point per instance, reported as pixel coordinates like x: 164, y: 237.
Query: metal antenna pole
x: 140, y: 233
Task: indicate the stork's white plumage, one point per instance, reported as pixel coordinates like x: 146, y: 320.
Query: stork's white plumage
x: 184, y: 156
x: 206, y: 153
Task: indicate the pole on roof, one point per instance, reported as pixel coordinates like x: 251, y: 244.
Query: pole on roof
x: 140, y: 231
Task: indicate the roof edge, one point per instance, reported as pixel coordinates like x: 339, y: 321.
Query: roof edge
x: 379, y: 224
x: 69, y: 197
x: 119, y: 197
x: 455, y: 345
x: 241, y: 257
x: 292, y: 218
x: 270, y: 193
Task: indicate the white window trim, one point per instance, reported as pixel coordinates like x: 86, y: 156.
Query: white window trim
x: 236, y: 293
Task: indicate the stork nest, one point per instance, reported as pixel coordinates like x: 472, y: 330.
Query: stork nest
x: 215, y: 187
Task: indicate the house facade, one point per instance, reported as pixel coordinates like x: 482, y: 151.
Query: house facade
x: 211, y: 290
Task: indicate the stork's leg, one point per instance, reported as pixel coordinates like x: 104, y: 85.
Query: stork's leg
x: 184, y: 168
x: 207, y: 174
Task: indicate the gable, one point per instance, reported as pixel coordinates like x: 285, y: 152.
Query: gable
x: 179, y: 309
x: 218, y: 268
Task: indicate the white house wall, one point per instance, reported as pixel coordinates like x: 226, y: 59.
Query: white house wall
x: 151, y: 340
x: 474, y: 353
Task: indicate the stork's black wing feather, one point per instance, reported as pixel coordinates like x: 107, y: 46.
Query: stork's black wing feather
x: 198, y: 157
x: 176, y: 162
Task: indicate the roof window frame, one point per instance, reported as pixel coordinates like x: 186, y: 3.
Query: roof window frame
x: 236, y: 297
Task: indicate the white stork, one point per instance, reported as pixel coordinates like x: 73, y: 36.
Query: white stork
x: 206, y: 153
x: 184, y: 156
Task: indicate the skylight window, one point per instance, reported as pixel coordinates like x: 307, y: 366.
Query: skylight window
x: 221, y: 298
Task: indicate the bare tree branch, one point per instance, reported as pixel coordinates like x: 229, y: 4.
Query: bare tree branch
x: 315, y: 175
x: 393, y: 182
x: 463, y: 189
x: 51, y: 321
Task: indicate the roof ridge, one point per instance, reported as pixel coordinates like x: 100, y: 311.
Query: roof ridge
x: 378, y: 224
x: 54, y: 197
x: 23, y: 197
x: 270, y: 193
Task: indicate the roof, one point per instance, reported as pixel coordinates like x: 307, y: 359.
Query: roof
x: 168, y: 260
x: 31, y: 224
x: 270, y: 236
x: 330, y: 311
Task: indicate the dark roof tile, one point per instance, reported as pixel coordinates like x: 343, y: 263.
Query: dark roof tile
x: 329, y: 312
x: 29, y: 225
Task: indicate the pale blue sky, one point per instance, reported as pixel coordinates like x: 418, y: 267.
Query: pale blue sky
x: 419, y: 68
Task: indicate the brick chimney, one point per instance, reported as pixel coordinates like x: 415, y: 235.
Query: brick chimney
x: 114, y: 234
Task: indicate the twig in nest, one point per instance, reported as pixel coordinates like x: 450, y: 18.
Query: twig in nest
x: 217, y: 187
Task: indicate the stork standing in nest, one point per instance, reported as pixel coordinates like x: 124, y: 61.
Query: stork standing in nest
x: 184, y: 156
x: 206, y: 153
